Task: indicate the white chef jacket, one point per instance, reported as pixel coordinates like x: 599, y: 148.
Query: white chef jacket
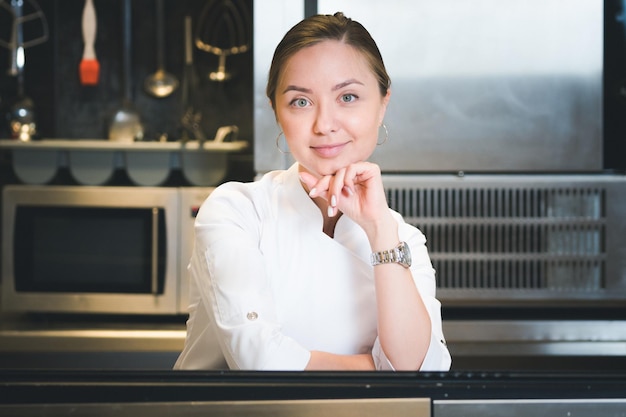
x: 268, y: 286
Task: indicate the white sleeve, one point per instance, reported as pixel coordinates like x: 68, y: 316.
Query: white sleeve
x: 437, y: 358
x: 230, y: 275
x: 381, y: 363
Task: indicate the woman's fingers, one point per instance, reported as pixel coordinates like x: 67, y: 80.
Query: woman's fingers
x: 335, y: 188
x: 318, y: 187
x: 309, y: 180
x: 339, y: 188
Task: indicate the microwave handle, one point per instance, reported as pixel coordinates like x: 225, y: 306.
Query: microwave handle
x: 154, y: 285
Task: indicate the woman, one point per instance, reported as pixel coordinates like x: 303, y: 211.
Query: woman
x: 308, y: 268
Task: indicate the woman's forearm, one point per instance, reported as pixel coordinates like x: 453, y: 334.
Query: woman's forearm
x: 404, y: 326
x: 324, y: 361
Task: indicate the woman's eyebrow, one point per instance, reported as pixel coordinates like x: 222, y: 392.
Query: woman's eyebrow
x: 296, y: 88
x: 347, y: 83
x: 335, y: 88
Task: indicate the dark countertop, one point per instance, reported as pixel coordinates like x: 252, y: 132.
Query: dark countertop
x: 46, y: 386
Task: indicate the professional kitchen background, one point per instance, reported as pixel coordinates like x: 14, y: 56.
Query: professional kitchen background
x: 513, y: 326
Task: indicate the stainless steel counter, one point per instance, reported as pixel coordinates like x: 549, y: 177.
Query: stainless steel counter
x: 467, y: 338
x: 155, y: 345
x: 89, y: 343
x: 537, y: 338
x: 61, y: 333
x: 416, y: 407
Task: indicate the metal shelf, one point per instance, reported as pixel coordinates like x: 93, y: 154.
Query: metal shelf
x: 92, y: 161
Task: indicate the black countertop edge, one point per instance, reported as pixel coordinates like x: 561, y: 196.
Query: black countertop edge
x: 51, y: 386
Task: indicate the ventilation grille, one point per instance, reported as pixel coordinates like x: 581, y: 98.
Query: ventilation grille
x: 537, y: 239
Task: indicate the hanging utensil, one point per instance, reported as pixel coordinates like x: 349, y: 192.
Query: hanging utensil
x: 23, y: 12
x: 89, y: 67
x: 190, y: 119
x: 21, y: 116
x: 224, y: 30
x: 161, y: 83
x: 126, y: 125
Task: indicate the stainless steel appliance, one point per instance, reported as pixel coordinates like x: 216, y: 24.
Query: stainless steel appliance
x: 520, y: 240
x: 81, y: 249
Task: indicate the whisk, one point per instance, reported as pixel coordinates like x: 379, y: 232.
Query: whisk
x: 224, y: 29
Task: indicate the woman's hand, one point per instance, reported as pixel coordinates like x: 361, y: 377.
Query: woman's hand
x: 404, y: 326
x: 357, y: 191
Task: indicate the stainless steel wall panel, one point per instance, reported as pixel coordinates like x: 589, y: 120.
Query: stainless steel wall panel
x: 272, y: 18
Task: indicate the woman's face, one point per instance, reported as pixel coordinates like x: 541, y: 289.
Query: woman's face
x: 329, y: 107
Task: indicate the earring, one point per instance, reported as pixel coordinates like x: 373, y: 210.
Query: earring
x: 386, y: 135
x: 278, y: 144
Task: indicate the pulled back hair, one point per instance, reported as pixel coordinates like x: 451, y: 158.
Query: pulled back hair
x: 319, y: 28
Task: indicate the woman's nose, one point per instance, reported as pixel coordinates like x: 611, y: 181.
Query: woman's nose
x: 325, y: 120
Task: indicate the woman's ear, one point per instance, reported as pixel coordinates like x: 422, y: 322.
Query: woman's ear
x: 383, y: 108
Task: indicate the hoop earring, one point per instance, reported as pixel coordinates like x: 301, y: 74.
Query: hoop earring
x: 278, y: 144
x: 386, y: 135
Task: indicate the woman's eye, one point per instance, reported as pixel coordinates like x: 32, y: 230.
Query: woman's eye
x: 348, y: 98
x: 300, y: 102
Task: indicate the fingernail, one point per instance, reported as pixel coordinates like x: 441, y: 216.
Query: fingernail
x: 312, y: 192
x: 331, y: 211
x: 348, y: 190
x: 333, y: 201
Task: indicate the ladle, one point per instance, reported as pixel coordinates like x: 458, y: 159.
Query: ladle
x: 160, y: 83
x: 126, y: 125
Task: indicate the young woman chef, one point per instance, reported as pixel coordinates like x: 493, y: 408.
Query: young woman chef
x: 308, y: 268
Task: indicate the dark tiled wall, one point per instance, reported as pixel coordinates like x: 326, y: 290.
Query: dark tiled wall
x: 66, y: 109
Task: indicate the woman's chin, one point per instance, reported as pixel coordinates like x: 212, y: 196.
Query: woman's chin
x: 323, y: 170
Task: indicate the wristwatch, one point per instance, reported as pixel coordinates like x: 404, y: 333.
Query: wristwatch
x: 400, y: 254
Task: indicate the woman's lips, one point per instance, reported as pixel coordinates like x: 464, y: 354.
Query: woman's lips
x: 329, y: 151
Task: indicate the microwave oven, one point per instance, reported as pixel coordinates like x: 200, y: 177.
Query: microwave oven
x: 84, y: 249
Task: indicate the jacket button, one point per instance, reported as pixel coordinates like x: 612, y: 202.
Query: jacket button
x: 252, y: 316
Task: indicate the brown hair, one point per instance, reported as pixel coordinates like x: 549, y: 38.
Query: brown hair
x: 318, y: 28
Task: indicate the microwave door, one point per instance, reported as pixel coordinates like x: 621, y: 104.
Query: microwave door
x: 92, y: 249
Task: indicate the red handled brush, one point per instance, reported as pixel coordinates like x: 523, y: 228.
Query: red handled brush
x: 89, y: 68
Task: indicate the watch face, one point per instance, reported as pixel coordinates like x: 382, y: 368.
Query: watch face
x: 405, y: 254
